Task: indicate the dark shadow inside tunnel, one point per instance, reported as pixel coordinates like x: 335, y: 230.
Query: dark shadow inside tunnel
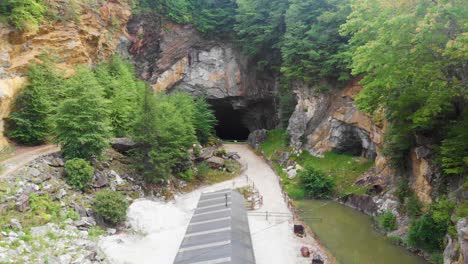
x: 230, y: 124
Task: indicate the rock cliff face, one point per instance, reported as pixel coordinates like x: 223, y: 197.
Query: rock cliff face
x: 326, y: 121
x: 330, y: 121
x: 176, y: 57
x: 96, y: 36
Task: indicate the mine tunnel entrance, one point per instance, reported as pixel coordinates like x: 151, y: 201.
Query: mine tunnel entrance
x: 231, y: 124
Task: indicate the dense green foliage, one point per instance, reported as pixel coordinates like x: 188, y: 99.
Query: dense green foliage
x: 79, y: 173
x: 204, y: 120
x: 411, y: 54
x: 23, y: 14
x: 260, y: 27
x: 82, y: 119
x: 166, y: 128
x: 313, y: 48
x: 177, y: 10
x: 111, y: 206
x: 316, y: 183
x: 409, y: 202
x: 429, y: 231
x: 454, y: 148
x: 387, y: 221
x: 30, y: 122
x: 123, y: 90
x: 214, y: 17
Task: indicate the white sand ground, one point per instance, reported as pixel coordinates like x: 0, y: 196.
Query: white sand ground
x: 160, y: 227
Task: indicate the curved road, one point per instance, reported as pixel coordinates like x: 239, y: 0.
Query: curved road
x: 24, y: 155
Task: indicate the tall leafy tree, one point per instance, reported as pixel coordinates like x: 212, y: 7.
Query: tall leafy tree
x: 214, y: 18
x: 313, y: 48
x: 204, y: 120
x: 165, y: 132
x: 176, y: 10
x: 82, y: 119
x: 260, y: 27
x: 124, y: 91
x: 30, y: 122
x: 412, y: 55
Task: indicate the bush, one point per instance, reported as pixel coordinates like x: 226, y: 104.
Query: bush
x: 387, y: 221
x: 44, y: 207
x: 202, y: 171
x: 25, y: 15
x: 111, y: 206
x: 315, y: 183
x: 429, y: 231
x: 204, y: 120
x: 79, y: 173
x: 186, y: 175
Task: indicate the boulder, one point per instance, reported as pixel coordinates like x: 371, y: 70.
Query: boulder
x: 206, y: 153
x: 363, y: 203
x: 216, y: 162
x: 232, y: 155
x: 123, y: 144
x: 55, y: 162
x: 79, y: 209
x: 85, y: 222
x: 34, y: 172
x: 60, y: 194
x: 100, y: 179
x: 22, y: 203
x: 257, y: 137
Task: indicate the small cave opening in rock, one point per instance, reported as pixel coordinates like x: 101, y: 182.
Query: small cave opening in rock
x: 350, y: 144
x: 352, y: 140
x: 231, y: 125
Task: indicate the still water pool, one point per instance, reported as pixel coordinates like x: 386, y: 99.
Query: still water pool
x: 350, y: 236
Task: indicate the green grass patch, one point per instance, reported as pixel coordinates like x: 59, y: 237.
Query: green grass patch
x: 277, y: 141
x: 344, y: 169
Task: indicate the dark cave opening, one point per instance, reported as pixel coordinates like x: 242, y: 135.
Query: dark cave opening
x: 350, y: 143
x: 230, y: 124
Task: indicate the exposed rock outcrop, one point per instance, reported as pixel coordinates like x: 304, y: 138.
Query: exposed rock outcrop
x: 96, y: 36
x: 329, y: 121
x: 176, y: 57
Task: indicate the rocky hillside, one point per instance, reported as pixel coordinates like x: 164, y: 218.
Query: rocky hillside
x: 94, y: 35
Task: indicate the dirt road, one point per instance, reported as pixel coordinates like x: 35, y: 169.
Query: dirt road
x: 23, y: 155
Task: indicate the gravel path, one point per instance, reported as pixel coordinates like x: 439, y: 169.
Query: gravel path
x: 23, y: 155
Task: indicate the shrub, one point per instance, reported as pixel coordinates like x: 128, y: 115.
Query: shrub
x: 315, y: 183
x: 186, y: 175
x: 79, y: 173
x: 429, y: 231
x: 111, y: 206
x: 387, y: 221
x: 44, y: 207
x: 25, y: 15
x: 202, y: 171
x: 413, y: 206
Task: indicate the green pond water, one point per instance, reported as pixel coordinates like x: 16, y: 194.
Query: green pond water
x: 349, y: 235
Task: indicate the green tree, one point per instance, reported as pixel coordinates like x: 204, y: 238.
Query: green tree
x: 124, y: 91
x: 214, y: 18
x: 82, y: 119
x: 204, y: 120
x: 454, y: 148
x: 412, y: 55
x: 30, y: 122
x: 177, y: 10
x: 260, y: 28
x: 313, y: 48
x: 165, y: 132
